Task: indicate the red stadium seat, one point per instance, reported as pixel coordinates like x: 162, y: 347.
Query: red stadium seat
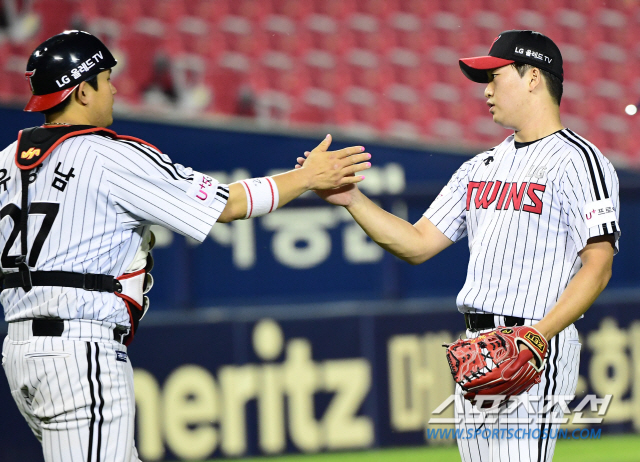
x: 448, y: 130
x: 55, y: 16
x: 243, y: 36
x: 286, y: 35
x: 207, y: 10
x: 410, y: 68
x: 315, y: 61
x: 444, y: 62
x: 507, y: 9
x: 326, y: 33
x: 483, y: 129
x: 448, y: 27
x: 167, y: 11
x: 142, y: 44
x: 283, y: 73
x: 315, y: 106
x: 294, y: 9
x: 326, y: 71
x: 613, y: 26
x: 573, y: 95
x: 14, y: 82
x: 367, y: 69
x: 528, y: 19
x: 612, y: 94
x: 379, y: 8
x: 370, y: 33
x: 254, y: 10
x: 576, y: 123
x: 411, y: 32
x: 418, y: 7
x: 236, y: 80
x: 369, y: 110
x: 484, y: 26
x: 125, y: 12
x: 410, y: 109
x: 337, y: 9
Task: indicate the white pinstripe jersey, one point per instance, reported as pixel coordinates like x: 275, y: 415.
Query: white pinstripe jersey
x: 118, y: 187
x: 527, y: 213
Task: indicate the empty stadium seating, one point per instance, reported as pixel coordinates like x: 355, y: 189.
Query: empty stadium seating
x: 384, y: 67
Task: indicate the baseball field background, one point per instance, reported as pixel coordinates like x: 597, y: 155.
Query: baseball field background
x: 618, y: 448
x: 292, y: 337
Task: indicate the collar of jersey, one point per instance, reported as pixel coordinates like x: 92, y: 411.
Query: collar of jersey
x: 519, y: 145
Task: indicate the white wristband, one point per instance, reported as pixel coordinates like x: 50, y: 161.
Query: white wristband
x: 262, y: 196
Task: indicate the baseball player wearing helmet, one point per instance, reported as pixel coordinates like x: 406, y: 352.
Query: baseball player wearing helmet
x: 76, y: 204
x: 541, y: 214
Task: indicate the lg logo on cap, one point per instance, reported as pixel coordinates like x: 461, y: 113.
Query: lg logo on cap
x: 532, y: 54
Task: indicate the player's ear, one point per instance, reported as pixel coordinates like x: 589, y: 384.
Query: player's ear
x: 535, y: 78
x: 83, y: 93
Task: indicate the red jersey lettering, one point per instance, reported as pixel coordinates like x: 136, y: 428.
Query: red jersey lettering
x: 472, y: 185
x: 537, y: 201
x: 515, y: 196
x: 482, y: 199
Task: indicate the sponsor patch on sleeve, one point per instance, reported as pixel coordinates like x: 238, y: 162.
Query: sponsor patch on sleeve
x: 600, y: 212
x: 203, y: 189
x: 121, y: 356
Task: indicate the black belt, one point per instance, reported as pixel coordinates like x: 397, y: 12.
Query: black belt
x: 477, y: 321
x: 47, y: 327
x: 97, y: 282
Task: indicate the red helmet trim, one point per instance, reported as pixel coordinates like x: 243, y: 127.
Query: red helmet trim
x: 39, y: 103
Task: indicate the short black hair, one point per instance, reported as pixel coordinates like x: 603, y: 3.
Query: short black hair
x: 61, y: 106
x: 554, y: 84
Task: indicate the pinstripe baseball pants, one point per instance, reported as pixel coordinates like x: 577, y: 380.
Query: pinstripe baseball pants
x: 525, y: 445
x: 75, y: 393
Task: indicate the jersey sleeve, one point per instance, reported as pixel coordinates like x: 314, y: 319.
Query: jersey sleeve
x: 448, y: 211
x: 590, y: 191
x: 150, y: 189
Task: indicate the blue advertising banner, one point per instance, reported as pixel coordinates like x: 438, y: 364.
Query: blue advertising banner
x: 316, y: 379
x: 296, y: 384
x: 310, y: 250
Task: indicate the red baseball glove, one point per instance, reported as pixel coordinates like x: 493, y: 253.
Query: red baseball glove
x: 492, y: 363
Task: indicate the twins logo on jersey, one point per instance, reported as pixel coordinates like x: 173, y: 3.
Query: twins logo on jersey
x: 509, y: 196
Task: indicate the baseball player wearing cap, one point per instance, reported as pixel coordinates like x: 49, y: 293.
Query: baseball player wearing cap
x: 540, y: 211
x: 76, y: 203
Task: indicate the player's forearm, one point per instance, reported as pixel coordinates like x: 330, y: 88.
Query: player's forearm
x: 289, y: 184
x: 390, y: 232
x: 581, y: 292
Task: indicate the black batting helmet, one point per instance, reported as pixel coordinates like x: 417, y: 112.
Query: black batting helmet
x: 61, y: 63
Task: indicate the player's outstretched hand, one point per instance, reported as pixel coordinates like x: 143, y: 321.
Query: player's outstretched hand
x: 342, y: 195
x: 333, y: 169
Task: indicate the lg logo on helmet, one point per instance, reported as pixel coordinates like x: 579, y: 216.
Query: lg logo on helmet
x: 77, y: 72
x: 65, y: 80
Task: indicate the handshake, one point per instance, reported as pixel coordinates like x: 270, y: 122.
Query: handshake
x: 334, y: 172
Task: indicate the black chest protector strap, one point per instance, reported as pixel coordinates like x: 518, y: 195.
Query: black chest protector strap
x: 34, y: 146
x: 21, y: 261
